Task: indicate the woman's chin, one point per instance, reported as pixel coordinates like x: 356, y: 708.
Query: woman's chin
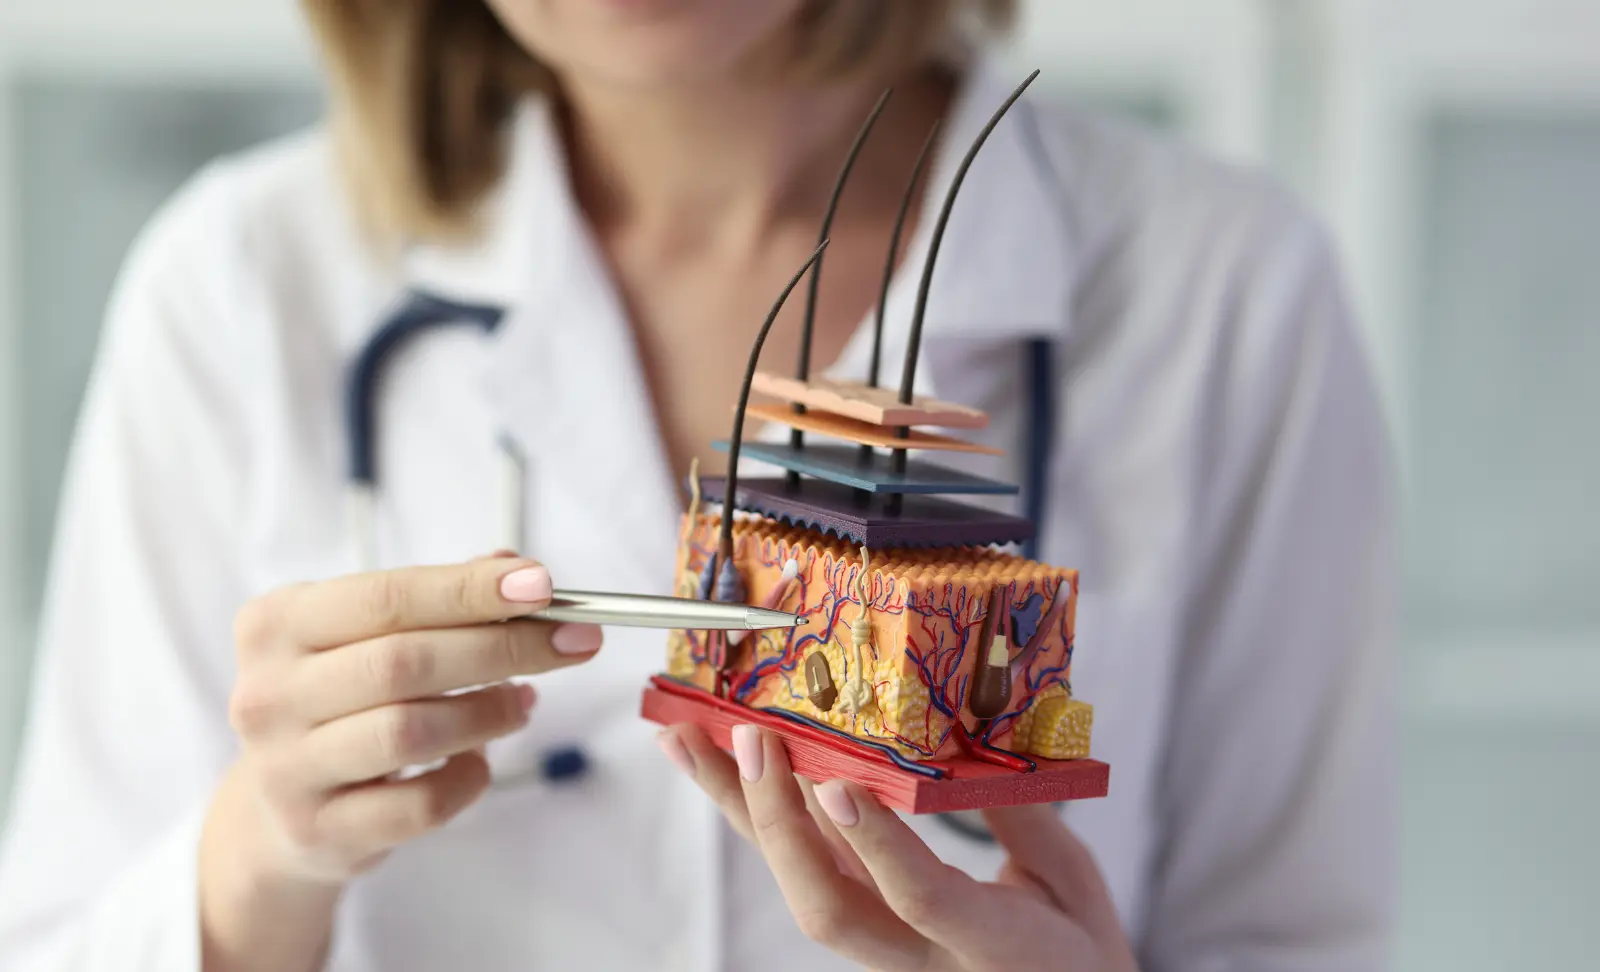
x: 648, y: 10
x: 645, y: 42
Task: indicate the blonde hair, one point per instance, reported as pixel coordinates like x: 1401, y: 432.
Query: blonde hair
x: 423, y: 88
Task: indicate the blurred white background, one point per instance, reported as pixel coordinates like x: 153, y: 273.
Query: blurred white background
x: 1454, y: 146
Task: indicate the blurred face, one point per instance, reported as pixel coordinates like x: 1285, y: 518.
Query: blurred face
x: 645, y: 42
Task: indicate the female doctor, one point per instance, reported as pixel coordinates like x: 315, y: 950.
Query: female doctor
x: 609, y: 195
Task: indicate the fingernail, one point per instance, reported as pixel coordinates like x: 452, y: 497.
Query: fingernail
x: 525, y: 697
x: 526, y: 586
x: 747, y: 752
x: 576, y: 639
x: 674, y: 749
x: 836, y: 803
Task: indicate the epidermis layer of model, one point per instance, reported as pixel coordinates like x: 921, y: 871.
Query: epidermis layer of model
x: 928, y: 615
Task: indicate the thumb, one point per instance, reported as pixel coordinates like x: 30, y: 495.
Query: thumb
x: 1041, y: 847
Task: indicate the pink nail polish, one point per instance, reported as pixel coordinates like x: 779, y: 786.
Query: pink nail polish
x: 530, y: 585
x: 836, y: 803
x: 576, y: 639
x: 674, y: 749
x: 525, y: 697
x: 747, y: 752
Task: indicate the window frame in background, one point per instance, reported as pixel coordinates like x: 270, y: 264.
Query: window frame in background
x: 1211, y: 59
x: 1393, y: 67
x: 235, y: 45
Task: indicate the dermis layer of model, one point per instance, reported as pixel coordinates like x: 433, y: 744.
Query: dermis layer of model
x: 927, y: 609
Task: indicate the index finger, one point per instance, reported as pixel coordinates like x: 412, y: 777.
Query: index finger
x: 336, y: 612
x: 831, y: 908
x: 942, y: 902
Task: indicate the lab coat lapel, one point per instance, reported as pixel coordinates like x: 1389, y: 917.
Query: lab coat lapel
x: 564, y: 384
x: 563, y: 375
x: 572, y: 391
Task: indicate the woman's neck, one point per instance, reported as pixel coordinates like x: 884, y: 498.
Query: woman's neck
x: 734, y: 163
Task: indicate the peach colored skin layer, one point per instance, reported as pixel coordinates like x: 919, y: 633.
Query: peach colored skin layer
x: 927, y: 611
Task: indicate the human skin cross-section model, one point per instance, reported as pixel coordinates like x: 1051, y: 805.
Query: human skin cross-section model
x: 935, y: 665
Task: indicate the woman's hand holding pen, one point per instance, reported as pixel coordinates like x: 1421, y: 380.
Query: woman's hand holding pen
x: 341, y: 685
x: 862, y: 883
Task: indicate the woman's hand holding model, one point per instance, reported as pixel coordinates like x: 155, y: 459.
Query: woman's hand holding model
x: 859, y: 881
x: 341, y: 685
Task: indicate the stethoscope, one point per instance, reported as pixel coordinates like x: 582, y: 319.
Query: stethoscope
x: 420, y: 312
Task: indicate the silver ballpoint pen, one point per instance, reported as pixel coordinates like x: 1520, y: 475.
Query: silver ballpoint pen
x: 649, y: 611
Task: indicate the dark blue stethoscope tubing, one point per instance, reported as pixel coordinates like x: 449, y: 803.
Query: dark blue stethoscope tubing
x: 419, y: 312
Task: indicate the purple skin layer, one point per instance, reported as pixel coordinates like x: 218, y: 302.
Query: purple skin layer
x: 923, y: 521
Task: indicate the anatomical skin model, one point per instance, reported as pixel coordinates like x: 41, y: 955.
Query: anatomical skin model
x: 934, y: 664
x: 928, y: 610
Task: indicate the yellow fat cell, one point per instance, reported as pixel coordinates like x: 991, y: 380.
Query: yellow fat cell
x: 1056, y: 726
x: 680, y: 664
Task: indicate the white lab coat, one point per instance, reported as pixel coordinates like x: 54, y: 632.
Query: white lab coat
x: 1219, y: 476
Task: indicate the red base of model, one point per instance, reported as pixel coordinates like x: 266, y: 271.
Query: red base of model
x: 818, y: 754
